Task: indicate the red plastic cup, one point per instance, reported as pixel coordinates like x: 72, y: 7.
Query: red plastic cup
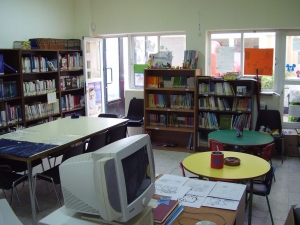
x: 217, y: 160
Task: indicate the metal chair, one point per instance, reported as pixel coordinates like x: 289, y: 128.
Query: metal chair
x: 263, y: 188
x: 108, y: 115
x: 135, y: 113
x: 9, y: 180
x: 52, y: 175
x: 271, y: 119
x: 116, y: 133
x: 183, y: 172
x: 215, y: 145
x: 96, y: 141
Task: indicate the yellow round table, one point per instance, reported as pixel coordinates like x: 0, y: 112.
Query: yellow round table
x: 250, y: 167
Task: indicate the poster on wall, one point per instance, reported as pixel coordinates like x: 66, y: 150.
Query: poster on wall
x: 224, y: 59
x: 259, y: 59
x: 94, y: 98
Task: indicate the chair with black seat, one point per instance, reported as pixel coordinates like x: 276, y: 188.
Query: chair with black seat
x: 108, y: 115
x: 96, y: 141
x: 272, y: 120
x: 9, y: 180
x: 135, y: 113
x: 19, y: 166
x: 52, y: 175
x: 262, y: 188
x: 116, y: 133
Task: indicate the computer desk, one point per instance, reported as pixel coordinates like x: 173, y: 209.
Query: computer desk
x: 71, y: 131
x: 63, y: 216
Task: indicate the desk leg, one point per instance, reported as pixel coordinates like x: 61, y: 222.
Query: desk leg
x: 250, y: 202
x: 30, y: 183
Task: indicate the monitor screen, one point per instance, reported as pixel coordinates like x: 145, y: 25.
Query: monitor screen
x: 115, y: 182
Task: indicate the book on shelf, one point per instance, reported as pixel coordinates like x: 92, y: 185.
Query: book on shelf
x: 241, y: 90
x: 74, y: 82
x: 1, y: 64
x: 163, y: 212
x: 225, y: 122
x: 68, y: 83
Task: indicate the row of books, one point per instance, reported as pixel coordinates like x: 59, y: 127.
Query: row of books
x: 55, y: 44
x: 157, y: 101
x: 38, y: 87
x: 69, y: 101
x: 170, y: 120
x: 10, y: 114
x: 38, y: 110
x: 8, y: 89
x: 170, y: 82
x: 209, y: 121
x: 242, y: 104
x: 216, y: 88
x: 71, y: 82
x: 190, y: 59
x: 37, y: 63
x: 72, y: 61
x: 190, y: 142
x: 222, y: 104
x: 182, y: 101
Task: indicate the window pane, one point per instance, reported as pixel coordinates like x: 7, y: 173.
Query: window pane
x: 229, y: 40
x: 175, y: 44
x: 291, y: 104
x: 292, y: 65
x: 143, y: 46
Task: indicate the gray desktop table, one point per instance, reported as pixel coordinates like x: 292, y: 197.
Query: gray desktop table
x: 58, y: 135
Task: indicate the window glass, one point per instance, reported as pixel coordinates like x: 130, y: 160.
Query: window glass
x: 236, y: 41
x: 146, y: 45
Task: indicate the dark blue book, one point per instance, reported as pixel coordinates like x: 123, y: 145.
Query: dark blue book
x: 1, y: 64
x: 34, y: 43
x: 9, y: 67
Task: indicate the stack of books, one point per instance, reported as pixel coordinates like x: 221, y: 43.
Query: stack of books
x: 165, y: 213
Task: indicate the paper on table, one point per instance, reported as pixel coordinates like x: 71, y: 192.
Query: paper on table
x: 200, y: 187
x: 169, y: 185
x: 220, y: 203
x: 228, y: 191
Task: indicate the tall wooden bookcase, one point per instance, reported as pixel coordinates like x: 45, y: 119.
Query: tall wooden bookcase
x: 22, y: 106
x: 170, y: 112
x: 223, y: 104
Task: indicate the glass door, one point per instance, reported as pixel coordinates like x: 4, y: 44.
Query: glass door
x: 92, y: 66
x: 115, y: 66
x: 290, y: 80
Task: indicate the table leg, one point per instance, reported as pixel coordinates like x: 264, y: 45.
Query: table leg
x: 30, y: 183
x: 250, y: 202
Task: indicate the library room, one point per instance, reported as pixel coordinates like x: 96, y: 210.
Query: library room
x: 159, y: 112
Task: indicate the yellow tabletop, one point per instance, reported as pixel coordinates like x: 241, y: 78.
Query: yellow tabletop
x: 250, y: 167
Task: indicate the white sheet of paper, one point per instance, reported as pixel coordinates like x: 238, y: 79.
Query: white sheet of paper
x: 191, y: 200
x: 200, y: 187
x: 220, y: 203
x: 169, y: 185
x: 227, y: 190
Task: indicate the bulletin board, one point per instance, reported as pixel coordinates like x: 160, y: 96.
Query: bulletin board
x: 259, y: 59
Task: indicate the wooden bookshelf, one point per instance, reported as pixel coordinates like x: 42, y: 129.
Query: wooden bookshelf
x: 33, y: 79
x: 169, y: 112
x: 218, y: 97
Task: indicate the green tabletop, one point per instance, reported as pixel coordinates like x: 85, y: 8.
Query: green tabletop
x: 250, y: 138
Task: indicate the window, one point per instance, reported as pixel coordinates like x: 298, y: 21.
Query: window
x: 238, y: 41
x: 143, y: 46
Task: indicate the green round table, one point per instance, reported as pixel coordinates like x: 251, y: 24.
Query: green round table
x: 250, y: 138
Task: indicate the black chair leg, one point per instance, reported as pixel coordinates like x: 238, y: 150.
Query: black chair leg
x: 270, y: 210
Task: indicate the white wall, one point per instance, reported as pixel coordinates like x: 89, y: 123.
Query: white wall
x: 24, y: 19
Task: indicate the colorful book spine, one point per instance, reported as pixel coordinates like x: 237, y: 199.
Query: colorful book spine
x: 175, y: 215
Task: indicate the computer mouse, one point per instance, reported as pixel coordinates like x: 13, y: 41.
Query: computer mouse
x: 205, y: 222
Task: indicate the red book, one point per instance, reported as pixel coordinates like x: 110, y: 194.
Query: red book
x: 162, y: 211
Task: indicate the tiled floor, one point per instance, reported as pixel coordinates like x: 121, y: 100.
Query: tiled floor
x: 285, y: 191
